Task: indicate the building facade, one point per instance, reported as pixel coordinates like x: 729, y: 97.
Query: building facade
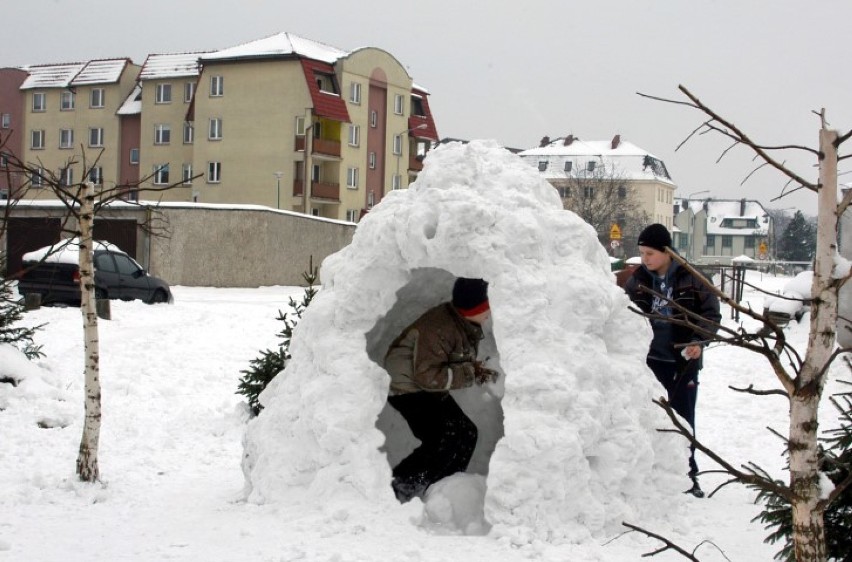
x: 714, y: 231
x: 284, y: 122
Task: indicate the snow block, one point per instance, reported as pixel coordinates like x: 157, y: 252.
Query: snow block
x: 571, y: 449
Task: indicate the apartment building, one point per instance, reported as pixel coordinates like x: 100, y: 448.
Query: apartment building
x: 11, y: 128
x: 284, y: 122
x: 714, y: 231
x: 70, y: 120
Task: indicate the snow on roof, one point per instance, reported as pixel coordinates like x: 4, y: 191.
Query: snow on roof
x: 281, y: 44
x: 173, y: 65
x: 626, y: 160
x: 718, y: 210
x: 65, y: 251
x: 52, y: 75
x: 132, y: 105
x: 107, y: 71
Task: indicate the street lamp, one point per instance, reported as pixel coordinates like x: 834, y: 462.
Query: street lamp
x: 691, y: 224
x: 278, y: 187
x: 399, y: 155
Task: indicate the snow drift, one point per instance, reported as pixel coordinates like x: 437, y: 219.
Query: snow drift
x: 568, y: 445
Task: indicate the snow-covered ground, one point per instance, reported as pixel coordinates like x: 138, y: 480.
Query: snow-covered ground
x: 171, y: 448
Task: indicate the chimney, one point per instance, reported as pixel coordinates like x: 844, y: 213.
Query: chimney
x: 568, y: 140
x: 616, y: 140
x: 544, y: 141
x: 742, y: 207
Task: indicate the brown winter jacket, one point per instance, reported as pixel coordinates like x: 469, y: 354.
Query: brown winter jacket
x: 434, y: 354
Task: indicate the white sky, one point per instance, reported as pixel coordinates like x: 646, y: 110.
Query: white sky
x: 517, y: 71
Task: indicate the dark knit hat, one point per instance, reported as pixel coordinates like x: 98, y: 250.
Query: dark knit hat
x: 655, y: 236
x: 470, y: 296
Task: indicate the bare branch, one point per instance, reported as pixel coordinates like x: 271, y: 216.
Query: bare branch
x: 752, y: 390
x: 669, y: 545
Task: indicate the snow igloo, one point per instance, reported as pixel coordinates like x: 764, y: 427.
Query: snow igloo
x: 568, y: 443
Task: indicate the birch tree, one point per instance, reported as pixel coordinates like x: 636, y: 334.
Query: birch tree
x: 801, y: 378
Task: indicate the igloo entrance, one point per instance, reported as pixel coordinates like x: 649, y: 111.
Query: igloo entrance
x: 428, y: 287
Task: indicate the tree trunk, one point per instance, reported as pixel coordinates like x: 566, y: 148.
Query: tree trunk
x: 808, y: 509
x: 87, y: 460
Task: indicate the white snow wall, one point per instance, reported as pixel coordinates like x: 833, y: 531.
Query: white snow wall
x: 580, y: 453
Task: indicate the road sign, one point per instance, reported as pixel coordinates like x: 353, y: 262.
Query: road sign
x: 615, y: 232
x: 762, y: 249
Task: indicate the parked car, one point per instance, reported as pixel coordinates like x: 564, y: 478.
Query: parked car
x: 53, y: 273
x: 793, y: 302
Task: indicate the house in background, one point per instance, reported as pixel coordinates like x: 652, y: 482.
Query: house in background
x: 565, y: 161
x: 714, y: 231
x: 11, y: 128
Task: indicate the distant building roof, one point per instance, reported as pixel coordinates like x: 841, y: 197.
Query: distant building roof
x: 64, y: 75
x: 722, y: 212
x: 132, y: 105
x: 176, y: 65
x: 280, y: 45
x: 620, y: 157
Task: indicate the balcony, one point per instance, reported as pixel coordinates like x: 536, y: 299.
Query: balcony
x: 320, y: 147
x: 415, y: 164
x: 319, y: 190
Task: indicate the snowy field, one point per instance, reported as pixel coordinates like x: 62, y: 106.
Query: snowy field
x: 171, y: 446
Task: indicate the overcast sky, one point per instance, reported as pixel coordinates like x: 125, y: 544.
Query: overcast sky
x: 517, y: 71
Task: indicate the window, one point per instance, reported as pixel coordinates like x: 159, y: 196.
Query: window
x: 316, y: 172
x: 326, y: 83
x: 39, y: 101
x: 568, y: 165
x: 590, y: 166
x: 355, y: 92
x: 622, y: 192
x: 162, y: 134
x: 187, y: 174
x: 37, y: 178
x: 371, y: 200
x: 37, y: 139
x: 6, y: 120
x: 96, y: 98
x: 300, y: 126
x: 397, y: 104
x: 96, y: 136
x: 214, y: 172
x: 4, y: 160
x: 711, y: 243
x: 66, y: 176
x: 396, y: 182
x: 727, y: 241
x: 682, y: 241
x: 215, y: 130
x: 164, y: 93
x: 417, y: 106
x: 564, y: 191
x: 542, y: 165
x: 134, y: 155
x: 188, y: 132
x: 397, y: 144
x: 66, y: 100
x: 354, y: 135
x: 161, y: 174
x: 352, y: 215
x: 188, y: 91
x: 371, y: 160
x: 96, y: 175
x: 588, y: 192
x: 749, y: 242
x: 374, y: 118
x: 66, y: 138
x: 352, y: 178
x: 217, y: 86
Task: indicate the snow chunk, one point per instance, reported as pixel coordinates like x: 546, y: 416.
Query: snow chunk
x: 568, y: 447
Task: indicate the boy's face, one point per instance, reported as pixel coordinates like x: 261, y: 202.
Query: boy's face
x: 655, y: 260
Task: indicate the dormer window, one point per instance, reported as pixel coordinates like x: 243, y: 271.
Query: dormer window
x: 569, y: 165
x: 542, y: 165
x: 326, y: 83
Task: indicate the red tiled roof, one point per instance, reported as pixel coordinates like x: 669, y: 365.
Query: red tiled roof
x: 326, y: 104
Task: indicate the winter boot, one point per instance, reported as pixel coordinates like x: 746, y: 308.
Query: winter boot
x: 696, y: 489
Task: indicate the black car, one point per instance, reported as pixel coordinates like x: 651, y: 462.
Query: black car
x: 55, y: 275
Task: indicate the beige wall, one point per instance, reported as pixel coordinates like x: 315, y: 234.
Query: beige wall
x: 657, y: 199
x: 258, y: 110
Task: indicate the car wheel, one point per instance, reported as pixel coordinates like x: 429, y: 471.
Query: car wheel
x: 159, y: 296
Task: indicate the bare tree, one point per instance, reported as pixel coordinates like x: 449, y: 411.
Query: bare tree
x: 83, y: 203
x: 602, y: 197
x: 801, y: 378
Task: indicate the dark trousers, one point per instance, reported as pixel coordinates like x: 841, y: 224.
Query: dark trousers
x: 682, y: 387
x: 447, y: 436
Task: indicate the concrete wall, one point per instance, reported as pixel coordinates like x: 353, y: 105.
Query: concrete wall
x: 221, y: 246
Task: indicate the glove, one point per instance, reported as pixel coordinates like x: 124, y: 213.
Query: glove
x: 484, y: 375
